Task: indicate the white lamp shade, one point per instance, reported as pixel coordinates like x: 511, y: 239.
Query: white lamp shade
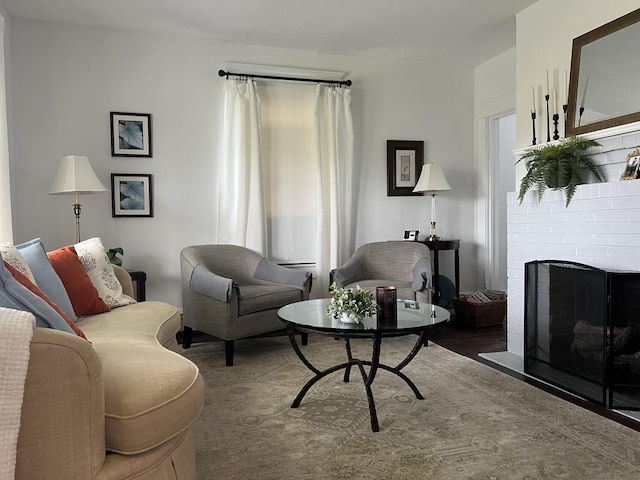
x: 75, y: 175
x: 432, y: 179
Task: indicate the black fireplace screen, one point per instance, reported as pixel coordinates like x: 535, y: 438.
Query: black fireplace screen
x: 582, y: 330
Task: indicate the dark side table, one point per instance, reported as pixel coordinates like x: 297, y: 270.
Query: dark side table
x: 139, y: 278
x: 436, y: 246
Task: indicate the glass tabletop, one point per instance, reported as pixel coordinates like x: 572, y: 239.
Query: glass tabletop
x: 411, y: 316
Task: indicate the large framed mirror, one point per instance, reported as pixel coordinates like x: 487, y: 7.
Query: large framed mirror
x: 604, y: 90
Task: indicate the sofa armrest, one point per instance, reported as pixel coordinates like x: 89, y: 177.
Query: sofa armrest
x: 348, y: 273
x: 125, y: 280
x: 62, y: 430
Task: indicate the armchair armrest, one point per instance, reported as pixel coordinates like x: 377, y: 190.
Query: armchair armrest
x: 348, y: 273
x: 205, y: 282
x: 273, y: 272
x: 421, y: 273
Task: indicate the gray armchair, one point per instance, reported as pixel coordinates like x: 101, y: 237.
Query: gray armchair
x: 405, y: 265
x: 231, y: 292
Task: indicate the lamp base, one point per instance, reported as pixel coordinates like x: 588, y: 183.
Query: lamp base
x: 433, y: 238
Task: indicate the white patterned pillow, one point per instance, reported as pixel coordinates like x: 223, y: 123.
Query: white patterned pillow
x: 94, y: 258
x: 13, y: 257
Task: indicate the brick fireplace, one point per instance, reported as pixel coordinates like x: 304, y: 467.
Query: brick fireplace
x: 600, y: 228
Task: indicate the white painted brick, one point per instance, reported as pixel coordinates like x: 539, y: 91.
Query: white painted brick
x: 613, y: 240
x: 593, y: 204
x: 626, y: 227
x: 630, y: 254
x: 583, y: 251
x: 629, y: 141
x: 562, y: 251
x: 625, y: 203
x: 579, y: 217
x: 580, y: 239
x: 590, y: 228
x: 517, y: 227
x: 615, y: 216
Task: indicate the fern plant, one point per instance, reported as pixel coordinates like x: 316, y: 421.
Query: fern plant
x: 558, y: 166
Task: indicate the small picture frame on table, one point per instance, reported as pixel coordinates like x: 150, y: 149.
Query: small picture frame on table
x: 404, y: 165
x: 131, y: 195
x: 131, y: 134
x: 631, y: 168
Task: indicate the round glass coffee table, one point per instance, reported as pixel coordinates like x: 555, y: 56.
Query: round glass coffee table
x: 311, y: 316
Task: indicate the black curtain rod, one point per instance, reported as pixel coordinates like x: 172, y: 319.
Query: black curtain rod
x: 346, y: 83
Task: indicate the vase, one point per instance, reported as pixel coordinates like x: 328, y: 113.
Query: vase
x: 349, y: 318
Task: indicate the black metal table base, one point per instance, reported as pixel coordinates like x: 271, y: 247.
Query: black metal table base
x: 367, y: 378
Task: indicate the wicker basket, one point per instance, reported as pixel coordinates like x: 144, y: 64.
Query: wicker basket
x: 480, y: 314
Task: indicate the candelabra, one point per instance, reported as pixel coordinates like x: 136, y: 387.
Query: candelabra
x: 556, y: 117
x: 546, y: 97
x: 533, y: 125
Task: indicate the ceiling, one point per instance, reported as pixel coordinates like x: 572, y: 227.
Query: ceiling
x: 467, y: 32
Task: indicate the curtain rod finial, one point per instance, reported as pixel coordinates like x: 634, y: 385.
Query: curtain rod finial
x: 222, y: 73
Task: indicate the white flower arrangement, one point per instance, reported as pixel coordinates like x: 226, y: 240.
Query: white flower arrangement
x: 351, y: 305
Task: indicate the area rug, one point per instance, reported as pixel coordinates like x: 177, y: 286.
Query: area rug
x: 475, y: 422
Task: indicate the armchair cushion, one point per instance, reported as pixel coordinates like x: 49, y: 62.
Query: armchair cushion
x: 205, y: 282
x: 273, y: 272
x: 257, y: 298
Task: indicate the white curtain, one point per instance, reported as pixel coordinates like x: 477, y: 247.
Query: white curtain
x: 334, y: 137
x: 241, y: 214
x: 6, y: 229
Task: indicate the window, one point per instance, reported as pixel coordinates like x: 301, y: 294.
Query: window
x: 289, y: 164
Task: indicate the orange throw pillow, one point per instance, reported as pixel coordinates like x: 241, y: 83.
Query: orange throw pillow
x: 23, y: 280
x: 82, y: 293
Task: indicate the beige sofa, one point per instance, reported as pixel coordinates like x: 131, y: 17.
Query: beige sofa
x: 119, y: 407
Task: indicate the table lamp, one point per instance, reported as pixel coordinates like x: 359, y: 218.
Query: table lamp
x: 75, y: 176
x: 432, y: 180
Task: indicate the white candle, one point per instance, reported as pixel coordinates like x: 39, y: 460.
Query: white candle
x: 584, y: 93
x: 533, y: 100
x: 566, y: 88
x: 555, y: 102
x: 547, y: 82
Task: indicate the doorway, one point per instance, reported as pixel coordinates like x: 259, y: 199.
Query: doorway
x: 501, y: 163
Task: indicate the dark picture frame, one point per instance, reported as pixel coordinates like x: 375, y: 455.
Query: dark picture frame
x: 131, y: 195
x: 404, y: 165
x: 131, y: 134
x: 632, y: 166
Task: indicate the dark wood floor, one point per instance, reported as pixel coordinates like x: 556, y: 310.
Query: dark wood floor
x: 470, y: 341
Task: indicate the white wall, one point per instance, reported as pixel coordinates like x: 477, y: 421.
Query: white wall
x: 544, y: 38
x: 66, y: 79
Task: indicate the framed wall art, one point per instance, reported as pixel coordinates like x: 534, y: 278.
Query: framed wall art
x: 631, y: 167
x: 404, y: 165
x: 131, y: 134
x: 131, y: 195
